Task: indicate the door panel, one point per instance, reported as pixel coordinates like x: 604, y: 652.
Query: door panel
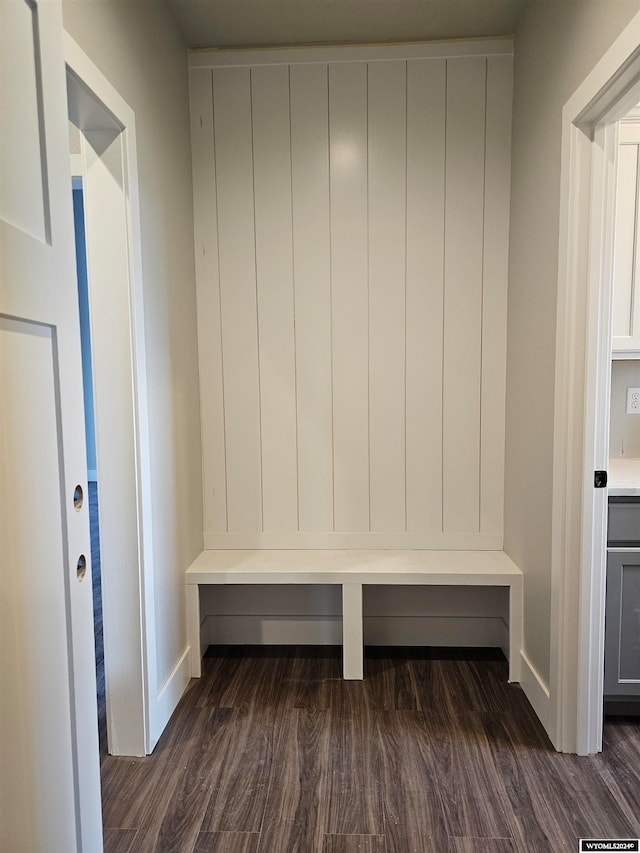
x: 112, y: 357
x: 36, y: 746
x: 22, y: 197
x: 50, y: 788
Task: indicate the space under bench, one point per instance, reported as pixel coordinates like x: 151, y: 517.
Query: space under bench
x: 353, y: 569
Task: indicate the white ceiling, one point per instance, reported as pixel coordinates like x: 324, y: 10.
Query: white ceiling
x: 249, y: 23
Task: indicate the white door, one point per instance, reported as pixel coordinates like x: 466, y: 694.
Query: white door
x: 49, y: 766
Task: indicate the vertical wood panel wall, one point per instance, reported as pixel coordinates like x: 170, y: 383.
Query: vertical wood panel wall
x: 351, y: 243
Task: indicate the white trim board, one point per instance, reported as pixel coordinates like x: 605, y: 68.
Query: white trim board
x: 82, y: 69
x: 212, y: 58
x: 170, y: 694
x: 582, y: 374
x: 536, y: 691
x: 395, y: 567
x: 332, y: 540
x: 76, y: 170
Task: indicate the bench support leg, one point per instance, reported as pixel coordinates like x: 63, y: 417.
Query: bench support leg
x: 352, y: 644
x: 193, y: 628
x: 515, y: 630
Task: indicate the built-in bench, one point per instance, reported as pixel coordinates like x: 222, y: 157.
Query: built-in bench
x: 352, y: 569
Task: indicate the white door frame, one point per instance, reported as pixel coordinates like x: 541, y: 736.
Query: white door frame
x: 135, y: 704
x: 582, y: 382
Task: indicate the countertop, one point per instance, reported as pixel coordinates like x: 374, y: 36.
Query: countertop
x: 624, y: 477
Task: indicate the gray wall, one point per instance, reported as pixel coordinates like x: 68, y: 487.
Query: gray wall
x: 137, y: 48
x: 557, y: 44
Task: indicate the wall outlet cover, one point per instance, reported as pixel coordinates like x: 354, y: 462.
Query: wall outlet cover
x: 633, y: 401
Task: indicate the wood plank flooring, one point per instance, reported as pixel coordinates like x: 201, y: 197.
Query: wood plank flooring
x: 434, y: 752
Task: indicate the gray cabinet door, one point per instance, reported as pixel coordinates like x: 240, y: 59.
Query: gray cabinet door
x: 622, y: 629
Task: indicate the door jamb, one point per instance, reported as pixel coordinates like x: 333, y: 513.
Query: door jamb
x: 583, y: 347
x: 145, y: 651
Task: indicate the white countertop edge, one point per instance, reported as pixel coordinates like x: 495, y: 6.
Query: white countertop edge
x: 624, y: 477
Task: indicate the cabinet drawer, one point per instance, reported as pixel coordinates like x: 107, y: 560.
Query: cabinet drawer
x: 624, y: 524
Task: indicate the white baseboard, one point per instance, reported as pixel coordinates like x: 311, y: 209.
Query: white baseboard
x: 490, y: 631
x: 169, y: 695
x: 536, y: 692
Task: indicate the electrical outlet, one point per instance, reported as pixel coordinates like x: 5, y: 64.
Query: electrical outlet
x: 633, y: 401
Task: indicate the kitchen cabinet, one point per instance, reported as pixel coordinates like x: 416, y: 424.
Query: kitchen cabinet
x: 622, y: 625
x: 626, y: 248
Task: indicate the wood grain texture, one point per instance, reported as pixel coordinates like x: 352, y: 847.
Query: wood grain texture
x: 160, y: 823
x: 483, y: 845
x: 239, y: 797
x: 390, y: 684
x: 192, y: 794
x: 355, y: 770
x: 621, y: 760
x: 353, y: 844
x: 433, y: 752
x: 413, y: 812
x: 256, y: 683
x: 296, y: 812
x: 470, y: 786
x: 119, y: 840
x: 311, y: 678
x: 227, y: 842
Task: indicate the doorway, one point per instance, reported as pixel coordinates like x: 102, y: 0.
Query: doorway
x: 89, y: 423
x: 107, y: 166
x: 583, y: 371
x: 622, y: 623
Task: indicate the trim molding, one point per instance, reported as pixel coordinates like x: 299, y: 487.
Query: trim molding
x: 625, y: 355
x: 604, y: 96
x: 84, y: 70
x: 169, y: 695
x: 212, y: 58
x: 537, y: 692
x: 76, y: 169
x: 385, y: 541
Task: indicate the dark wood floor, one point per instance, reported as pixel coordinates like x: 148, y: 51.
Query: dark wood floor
x: 434, y: 752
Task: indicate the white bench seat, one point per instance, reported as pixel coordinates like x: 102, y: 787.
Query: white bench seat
x: 352, y: 569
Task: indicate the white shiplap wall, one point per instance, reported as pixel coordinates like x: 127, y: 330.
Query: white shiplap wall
x: 351, y: 247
